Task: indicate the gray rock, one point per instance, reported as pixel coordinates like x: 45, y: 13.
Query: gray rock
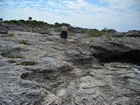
x: 16, y: 27
x: 127, y: 47
x: 48, y: 31
x: 71, y: 77
x: 47, y: 70
x: 133, y: 33
x: 2, y: 62
x: 81, y: 35
x: 136, y: 69
x: 119, y: 34
x: 11, y: 92
x: 109, y: 49
x: 65, y: 92
x: 107, y: 87
x: 3, y: 30
x: 80, y: 56
x: 76, y: 29
x: 70, y: 92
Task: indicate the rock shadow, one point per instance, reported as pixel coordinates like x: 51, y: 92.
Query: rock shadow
x: 128, y: 57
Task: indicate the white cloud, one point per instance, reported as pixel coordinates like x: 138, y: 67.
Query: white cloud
x: 119, y: 14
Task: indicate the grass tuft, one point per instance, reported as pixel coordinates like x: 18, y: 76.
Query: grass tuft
x: 28, y: 63
x: 24, y: 42
x: 11, y: 35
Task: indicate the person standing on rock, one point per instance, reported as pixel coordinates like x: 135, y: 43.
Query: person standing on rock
x: 64, y: 34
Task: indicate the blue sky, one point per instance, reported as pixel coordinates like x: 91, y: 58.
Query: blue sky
x: 121, y: 15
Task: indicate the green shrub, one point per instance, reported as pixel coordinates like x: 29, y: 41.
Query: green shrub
x: 11, y: 35
x: 18, y: 49
x: 110, y: 39
x: 19, y: 34
x: 95, y: 33
x: 24, y: 42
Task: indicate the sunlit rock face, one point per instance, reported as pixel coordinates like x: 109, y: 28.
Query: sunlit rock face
x: 37, y: 69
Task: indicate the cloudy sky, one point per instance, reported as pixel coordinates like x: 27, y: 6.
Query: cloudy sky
x: 121, y: 15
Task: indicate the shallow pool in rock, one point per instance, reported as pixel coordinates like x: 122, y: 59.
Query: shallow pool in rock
x: 48, y: 58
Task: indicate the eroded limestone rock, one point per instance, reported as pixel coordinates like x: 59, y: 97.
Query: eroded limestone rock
x: 34, y: 81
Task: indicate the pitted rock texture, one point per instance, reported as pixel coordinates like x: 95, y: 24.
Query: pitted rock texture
x: 75, y: 75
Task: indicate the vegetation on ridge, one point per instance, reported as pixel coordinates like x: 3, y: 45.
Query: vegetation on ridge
x: 37, y: 26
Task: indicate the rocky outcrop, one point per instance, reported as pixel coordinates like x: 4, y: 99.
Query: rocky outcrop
x: 73, y: 77
x: 131, y: 33
x: 119, y: 34
x: 126, y: 48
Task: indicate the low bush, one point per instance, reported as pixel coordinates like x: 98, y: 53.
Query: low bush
x: 95, y: 33
x: 24, y: 42
x: 11, y: 35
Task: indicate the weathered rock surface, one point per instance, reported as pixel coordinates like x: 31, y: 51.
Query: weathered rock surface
x: 109, y: 86
x: 127, y: 48
x: 73, y: 77
x: 119, y: 34
x: 3, y: 30
x: 133, y: 33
